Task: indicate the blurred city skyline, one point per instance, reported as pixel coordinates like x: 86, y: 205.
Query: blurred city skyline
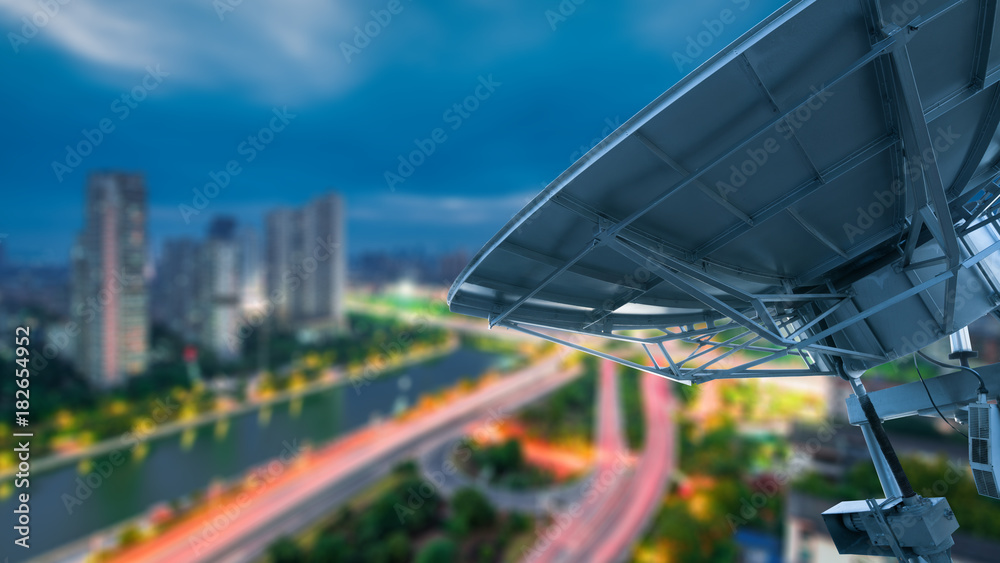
x: 230, y: 228
x: 179, y: 93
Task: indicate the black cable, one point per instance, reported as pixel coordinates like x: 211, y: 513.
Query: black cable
x: 921, y: 376
x: 875, y: 423
x: 982, y: 384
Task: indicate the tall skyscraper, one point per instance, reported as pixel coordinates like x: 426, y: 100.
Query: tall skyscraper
x: 220, y: 291
x: 175, y: 289
x: 306, y: 262
x: 283, y: 241
x: 323, y: 240
x: 201, y: 288
x: 109, y: 296
x: 251, y: 270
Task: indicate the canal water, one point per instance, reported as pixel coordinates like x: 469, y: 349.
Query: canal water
x: 178, y: 465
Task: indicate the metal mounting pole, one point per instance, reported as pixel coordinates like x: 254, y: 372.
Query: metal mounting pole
x: 886, y: 476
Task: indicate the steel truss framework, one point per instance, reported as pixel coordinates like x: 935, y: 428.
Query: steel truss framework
x: 695, y: 347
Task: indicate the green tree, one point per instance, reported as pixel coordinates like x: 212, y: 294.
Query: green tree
x: 438, y: 550
x: 487, y: 553
x: 331, y: 548
x: 129, y: 536
x: 343, y: 520
x: 569, y: 411
x: 470, y: 511
x: 406, y: 468
x: 502, y: 459
x: 632, y: 410
x: 285, y: 550
x: 380, y: 519
x: 517, y: 523
x: 510, y: 457
x: 423, y: 504
x: 398, y: 547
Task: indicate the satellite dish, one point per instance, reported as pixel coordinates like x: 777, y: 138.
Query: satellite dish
x: 823, y: 190
x: 819, y: 193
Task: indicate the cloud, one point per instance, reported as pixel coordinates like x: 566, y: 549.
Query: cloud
x: 277, y: 52
x: 439, y: 210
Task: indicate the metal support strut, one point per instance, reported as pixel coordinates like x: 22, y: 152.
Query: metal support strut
x: 904, y: 524
x: 894, y: 482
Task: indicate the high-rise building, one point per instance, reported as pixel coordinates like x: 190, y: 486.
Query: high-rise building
x: 323, y: 240
x: 283, y: 241
x: 220, y: 291
x: 306, y: 265
x: 109, y: 296
x: 175, y: 289
x: 251, y: 270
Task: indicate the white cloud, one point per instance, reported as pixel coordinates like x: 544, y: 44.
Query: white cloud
x: 439, y: 210
x: 278, y: 52
x: 275, y: 52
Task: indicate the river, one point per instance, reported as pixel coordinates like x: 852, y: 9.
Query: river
x: 177, y: 465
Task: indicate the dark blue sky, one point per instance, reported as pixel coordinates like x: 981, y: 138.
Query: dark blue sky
x: 562, y: 76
